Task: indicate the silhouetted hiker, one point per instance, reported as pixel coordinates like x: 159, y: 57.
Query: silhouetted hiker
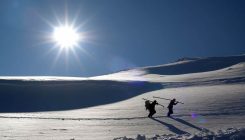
x: 151, y: 108
x: 170, y: 106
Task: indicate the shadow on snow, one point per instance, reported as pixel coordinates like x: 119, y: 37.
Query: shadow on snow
x: 171, y: 127
x: 186, y: 123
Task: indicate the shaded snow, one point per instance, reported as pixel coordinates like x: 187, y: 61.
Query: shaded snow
x: 35, y: 96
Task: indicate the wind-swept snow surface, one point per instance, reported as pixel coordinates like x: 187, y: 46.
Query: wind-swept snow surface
x: 111, y: 106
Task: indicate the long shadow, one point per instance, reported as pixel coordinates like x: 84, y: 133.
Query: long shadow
x: 186, y: 123
x: 171, y: 127
x: 36, y: 96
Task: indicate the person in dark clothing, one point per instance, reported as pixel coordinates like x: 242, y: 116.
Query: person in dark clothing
x: 152, y: 110
x: 170, y: 106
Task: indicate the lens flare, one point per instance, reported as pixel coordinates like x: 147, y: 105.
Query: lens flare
x: 198, y: 118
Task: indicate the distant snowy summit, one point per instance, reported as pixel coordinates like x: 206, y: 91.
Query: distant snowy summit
x: 187, y: 59
x: 194, y: 65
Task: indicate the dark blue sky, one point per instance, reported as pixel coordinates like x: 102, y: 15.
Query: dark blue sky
x: 122, y: 34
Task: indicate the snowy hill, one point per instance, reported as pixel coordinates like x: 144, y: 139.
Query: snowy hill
x: 28, y: 94
x: 111, y: 106
x: 187, y: 70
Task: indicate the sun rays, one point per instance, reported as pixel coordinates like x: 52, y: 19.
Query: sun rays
x: 66, y: 37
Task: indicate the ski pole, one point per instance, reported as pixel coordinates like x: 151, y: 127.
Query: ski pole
x: 161, y: 105
x: 166, y: 99
x: 161, y: 98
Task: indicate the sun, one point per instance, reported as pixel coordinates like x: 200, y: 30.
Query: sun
x: 66, y: 36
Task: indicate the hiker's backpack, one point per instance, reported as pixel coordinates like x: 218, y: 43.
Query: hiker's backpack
x: 147, y: 105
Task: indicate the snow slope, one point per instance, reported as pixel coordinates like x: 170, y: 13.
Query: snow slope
x: 111, y: 106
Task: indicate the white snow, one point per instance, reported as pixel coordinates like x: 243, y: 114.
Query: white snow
x: 111, y: 106
x: 228, y: 134
x: 42, y: 78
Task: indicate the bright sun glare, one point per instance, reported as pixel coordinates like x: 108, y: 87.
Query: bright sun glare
x: 66, y: 36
